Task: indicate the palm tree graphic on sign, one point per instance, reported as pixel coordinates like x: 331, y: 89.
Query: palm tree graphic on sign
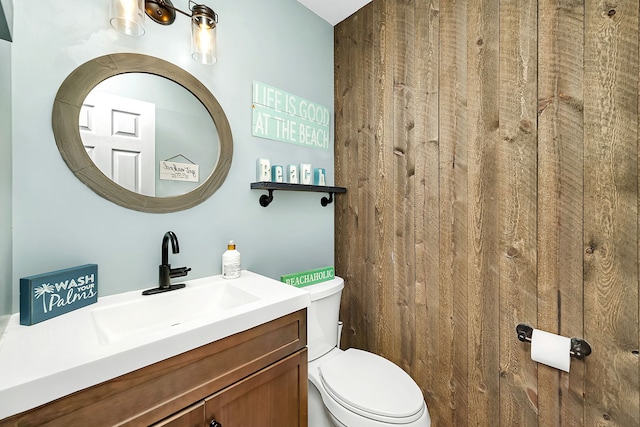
x: 40, y: 291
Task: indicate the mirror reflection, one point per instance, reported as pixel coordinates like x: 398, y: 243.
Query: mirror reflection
x: 149, y: 135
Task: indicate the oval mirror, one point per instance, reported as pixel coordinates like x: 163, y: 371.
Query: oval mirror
x: 168, y: 125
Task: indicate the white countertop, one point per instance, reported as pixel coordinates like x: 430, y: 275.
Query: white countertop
x: 54, y: 358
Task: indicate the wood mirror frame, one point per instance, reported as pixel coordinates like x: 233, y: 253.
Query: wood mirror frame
x: 66, y: 130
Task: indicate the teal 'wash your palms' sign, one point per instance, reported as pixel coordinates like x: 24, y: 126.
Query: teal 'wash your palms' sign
x: 48, y: 295
x: 285, y: 117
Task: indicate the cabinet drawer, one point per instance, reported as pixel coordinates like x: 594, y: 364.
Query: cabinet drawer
x: 154, y: 392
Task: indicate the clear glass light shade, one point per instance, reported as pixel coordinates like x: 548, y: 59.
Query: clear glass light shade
x: 127, y: 16
x: 203, y: 42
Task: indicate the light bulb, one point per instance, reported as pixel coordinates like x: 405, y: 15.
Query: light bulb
x: 203, y: 41
x: 127, y: 16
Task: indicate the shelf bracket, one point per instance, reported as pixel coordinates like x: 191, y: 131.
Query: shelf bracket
x: 325, y: 201
x: 266, y: 200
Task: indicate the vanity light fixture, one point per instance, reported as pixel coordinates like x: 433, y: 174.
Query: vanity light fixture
x: 127, y: 16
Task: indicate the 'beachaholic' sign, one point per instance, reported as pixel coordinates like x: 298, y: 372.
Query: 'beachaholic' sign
x: 311, y: 277
x: 48, y: 295
x: 285, y: 117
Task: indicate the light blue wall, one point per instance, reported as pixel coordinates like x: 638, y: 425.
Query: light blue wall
x: 5, y: 182
x: 59, y: 222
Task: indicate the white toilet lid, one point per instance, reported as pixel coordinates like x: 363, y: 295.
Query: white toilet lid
x: 371, y: 385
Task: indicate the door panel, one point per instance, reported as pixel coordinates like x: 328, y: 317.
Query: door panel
x: 273, y: 397
x: 119, y: 136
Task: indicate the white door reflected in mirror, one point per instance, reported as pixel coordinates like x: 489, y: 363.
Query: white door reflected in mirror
x: 119, y: 136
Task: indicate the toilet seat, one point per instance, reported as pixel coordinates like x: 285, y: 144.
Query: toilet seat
x: 372, y: 386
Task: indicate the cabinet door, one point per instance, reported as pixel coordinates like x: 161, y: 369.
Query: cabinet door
x: 193, y: 416
x: 273, y: 397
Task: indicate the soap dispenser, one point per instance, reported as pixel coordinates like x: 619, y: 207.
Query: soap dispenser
x: 231, y: 262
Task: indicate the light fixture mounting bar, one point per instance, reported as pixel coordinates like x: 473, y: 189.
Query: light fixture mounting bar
x: 162, y: 11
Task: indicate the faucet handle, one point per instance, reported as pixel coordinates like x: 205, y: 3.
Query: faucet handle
x: 179, y: 272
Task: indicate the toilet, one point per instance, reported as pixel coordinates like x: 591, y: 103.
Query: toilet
x: 354, y: 388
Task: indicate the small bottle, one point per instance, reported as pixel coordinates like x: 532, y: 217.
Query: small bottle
x: 231, y: 262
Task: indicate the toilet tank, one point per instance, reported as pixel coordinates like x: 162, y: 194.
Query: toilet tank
x: 322, y: 316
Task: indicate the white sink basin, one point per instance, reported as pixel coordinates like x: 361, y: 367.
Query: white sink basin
x: 160, y: 311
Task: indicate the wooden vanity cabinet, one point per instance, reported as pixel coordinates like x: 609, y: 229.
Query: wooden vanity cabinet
x: 254, y: 378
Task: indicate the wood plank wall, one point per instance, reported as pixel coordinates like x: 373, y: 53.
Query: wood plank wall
x: 490, y: 151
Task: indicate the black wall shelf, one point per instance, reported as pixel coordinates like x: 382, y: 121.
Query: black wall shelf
x: 271, y: 186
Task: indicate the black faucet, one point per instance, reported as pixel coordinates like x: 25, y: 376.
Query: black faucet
x: 166, y: 272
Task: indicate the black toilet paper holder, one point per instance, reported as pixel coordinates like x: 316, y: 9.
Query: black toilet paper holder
x: 579, y: 347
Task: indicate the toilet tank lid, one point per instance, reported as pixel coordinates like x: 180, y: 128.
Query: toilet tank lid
x: 324, y: 289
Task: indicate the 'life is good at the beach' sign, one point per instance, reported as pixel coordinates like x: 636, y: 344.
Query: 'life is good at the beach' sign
x: 48, y: 295
x: 285, y: 117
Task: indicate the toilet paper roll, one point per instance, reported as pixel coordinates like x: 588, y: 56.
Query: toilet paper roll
x: 551, y: 349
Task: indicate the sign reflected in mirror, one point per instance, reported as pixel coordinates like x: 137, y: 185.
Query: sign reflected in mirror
x: 133, y: 125
x: 119, y: 118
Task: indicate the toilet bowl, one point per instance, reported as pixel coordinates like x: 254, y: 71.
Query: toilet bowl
x: 354, y: 388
